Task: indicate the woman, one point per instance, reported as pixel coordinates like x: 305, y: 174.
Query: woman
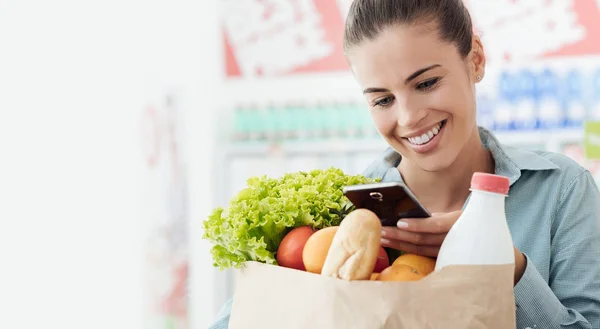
x: 418, y: 63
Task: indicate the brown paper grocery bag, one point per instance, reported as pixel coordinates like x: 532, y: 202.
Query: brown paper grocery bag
x: 273, y: 297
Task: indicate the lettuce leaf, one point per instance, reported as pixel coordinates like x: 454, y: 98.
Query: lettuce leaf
x: 258, y: 217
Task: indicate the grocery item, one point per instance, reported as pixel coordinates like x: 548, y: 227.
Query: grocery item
x: 355, y: 247
x: 420, y: 263
x: 408, y: 267
x: 259, y: 216
x: 383, y: 261
x: 289, y: 253
x: 400, y: 272
x: 480, y: 236
x: 316, y: 249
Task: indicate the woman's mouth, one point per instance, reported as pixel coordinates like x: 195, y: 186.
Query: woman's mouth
x: 428, y: 140
x: 428, y: 136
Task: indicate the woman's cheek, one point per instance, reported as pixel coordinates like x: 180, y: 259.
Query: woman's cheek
x: 385, y: 122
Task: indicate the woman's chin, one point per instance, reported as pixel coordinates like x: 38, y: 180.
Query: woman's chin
x: 432, y: 166
x: 429, y: 162
x: 432, y: 163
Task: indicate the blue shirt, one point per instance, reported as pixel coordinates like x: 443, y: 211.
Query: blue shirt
x: 553, y: 212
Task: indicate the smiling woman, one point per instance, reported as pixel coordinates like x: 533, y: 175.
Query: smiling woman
x: 418, y: 62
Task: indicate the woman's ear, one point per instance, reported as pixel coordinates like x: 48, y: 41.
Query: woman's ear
x: 477, y: 60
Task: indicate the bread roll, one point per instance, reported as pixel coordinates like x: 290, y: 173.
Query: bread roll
x: 355, y: 247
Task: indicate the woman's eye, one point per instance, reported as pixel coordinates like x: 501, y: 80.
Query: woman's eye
x: 428, y: 84
x: 384, y: 102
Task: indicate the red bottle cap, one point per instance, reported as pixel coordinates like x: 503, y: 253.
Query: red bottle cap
x: 490, y: 183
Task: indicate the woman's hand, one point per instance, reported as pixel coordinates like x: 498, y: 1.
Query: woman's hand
x: 421, y: 236
x: 520, y: 265
x: 424, y: 236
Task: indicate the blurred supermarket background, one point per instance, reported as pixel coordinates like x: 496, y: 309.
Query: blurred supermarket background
x: 124, y: 123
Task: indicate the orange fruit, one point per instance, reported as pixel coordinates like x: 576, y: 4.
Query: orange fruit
x: 316, y: 249
x: 400, y: 272
x: 374, y: 276
x: 423, y: 265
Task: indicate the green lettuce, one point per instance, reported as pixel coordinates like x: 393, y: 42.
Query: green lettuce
x: 258, y: 217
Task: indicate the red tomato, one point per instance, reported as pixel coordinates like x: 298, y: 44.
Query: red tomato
x: 382, y: 261
x: 289, y: 253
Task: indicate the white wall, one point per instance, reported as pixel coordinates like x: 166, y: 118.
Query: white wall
x: 74, y: 78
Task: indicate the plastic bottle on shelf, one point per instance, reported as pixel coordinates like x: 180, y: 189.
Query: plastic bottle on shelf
x: 292, y: 117
x: 340, y: 118
x: 481, y: 235
x: 250, y: 116
x: 303, y: 120
x: 525, y: 111
x: 239, y: 124
x: 318, y: 124
x: 280, y: 121
x: 574, y: 105
x: 285, y: 122
x: 595, y: 109
x: 507, y: 94
x: 549, y: 112
x: 249, y: 119
x: 588, y: 96
x: 270, y: 121
x: 485, y: 111
x: 338, y: 115
x: 349, y: 119
x: 368, y: 130
x: 328, y: 120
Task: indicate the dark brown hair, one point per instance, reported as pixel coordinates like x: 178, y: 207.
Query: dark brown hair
x: 367, y: 18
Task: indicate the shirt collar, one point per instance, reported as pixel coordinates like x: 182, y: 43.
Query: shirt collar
x: 510, y: 161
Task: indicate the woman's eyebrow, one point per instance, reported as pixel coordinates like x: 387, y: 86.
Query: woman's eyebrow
x: 408, y: 80
x: 419, y: 72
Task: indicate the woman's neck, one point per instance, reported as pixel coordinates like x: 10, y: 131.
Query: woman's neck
x: 447, y: 190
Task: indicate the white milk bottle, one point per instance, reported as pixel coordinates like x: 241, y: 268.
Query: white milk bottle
x: 480, y: 236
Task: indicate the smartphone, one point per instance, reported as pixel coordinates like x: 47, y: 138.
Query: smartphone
x: 390, y: 201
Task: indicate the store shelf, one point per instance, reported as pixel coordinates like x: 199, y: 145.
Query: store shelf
x: 524, y: 138
x: 305, y: 147
x: 548, y: 139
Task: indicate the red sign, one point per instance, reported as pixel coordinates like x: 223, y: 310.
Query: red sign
x: 285, y: 37
x: 281, y: 37
x: 533, y: 29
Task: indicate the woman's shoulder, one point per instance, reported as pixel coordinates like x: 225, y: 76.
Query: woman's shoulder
x: 551, y: 180
x: 521, y: 161
x: 550, y: 165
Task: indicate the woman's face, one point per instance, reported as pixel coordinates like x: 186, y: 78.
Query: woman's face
x: 420, y: 91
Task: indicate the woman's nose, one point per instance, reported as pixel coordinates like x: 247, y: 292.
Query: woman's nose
x: 410, y: 116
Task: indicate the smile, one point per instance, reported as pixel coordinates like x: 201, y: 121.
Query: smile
x: 427, y: 136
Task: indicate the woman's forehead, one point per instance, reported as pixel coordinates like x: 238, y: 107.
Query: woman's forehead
x: 399, y: 51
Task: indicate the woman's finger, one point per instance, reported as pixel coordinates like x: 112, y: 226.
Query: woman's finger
x: 424, y: 250
x: 417, y: 238
x: 434, y: 224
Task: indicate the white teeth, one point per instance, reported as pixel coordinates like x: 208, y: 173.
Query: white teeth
x: 426, y: 137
